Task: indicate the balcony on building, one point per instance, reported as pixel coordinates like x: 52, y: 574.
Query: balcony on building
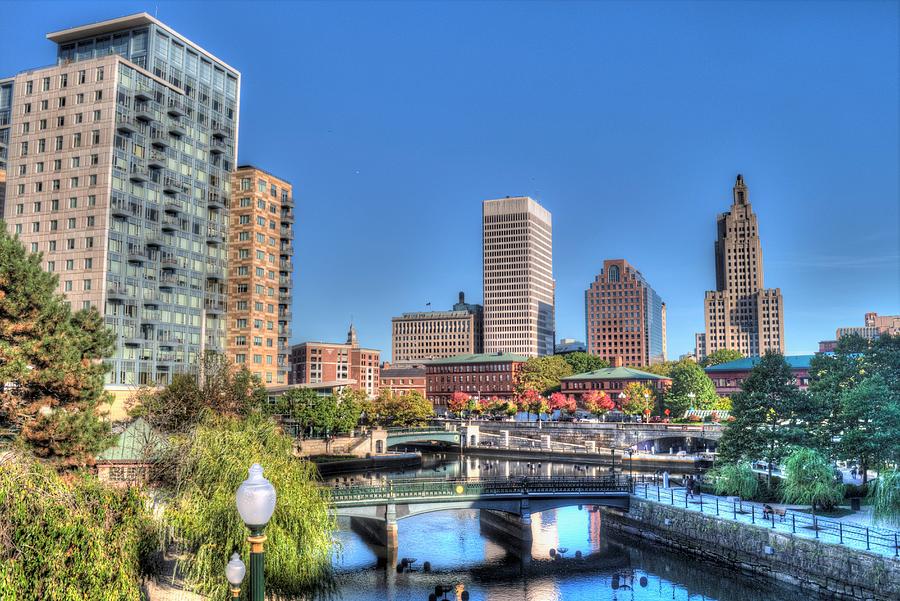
x: 167, y: 281
x: 217, y: 146
x: 144, y: 111
x: 214, y: 307
x: 214, y: 235
x: 285, y: 264
x: 143, y: 91
x: 126, y: 123
x: 116, y: 291
x: 286, y: 232
x: 176, y: 127
x: 118, y: 206
x: 220, y: 130
x: 156, y: 159
x: 153, y: 237
x: 215, y: 200
x: 159, y: 138
x: 139, y: 172
x: 287, y: 215
x: 171, y: 183
x: 176, y: 107
x: 287, y: 201
x: 286, y: 250
x: 170, y: 223
x: 136, y: 254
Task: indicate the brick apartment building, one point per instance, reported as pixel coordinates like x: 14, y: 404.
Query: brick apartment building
x: 483, y: 375
x: 401, y: 380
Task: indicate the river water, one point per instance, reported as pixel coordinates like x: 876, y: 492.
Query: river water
x: 491, y: 568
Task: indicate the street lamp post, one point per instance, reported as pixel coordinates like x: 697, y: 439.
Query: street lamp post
x: 631, y: 463
x: 622, y: 398
x: 255, y: 501
x: 234, y: 574
x: 692, y: 396
x: 647, y: 409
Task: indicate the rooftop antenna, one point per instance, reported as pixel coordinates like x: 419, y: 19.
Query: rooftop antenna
x: 156, y: 11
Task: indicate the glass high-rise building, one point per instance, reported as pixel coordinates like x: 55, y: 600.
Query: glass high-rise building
x: 118, y: 162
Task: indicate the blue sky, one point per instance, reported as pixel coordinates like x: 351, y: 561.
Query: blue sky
x: 628, y: 121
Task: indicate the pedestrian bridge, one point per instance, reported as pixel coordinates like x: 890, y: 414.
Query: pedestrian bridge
x: 376, y: 508
x: 399, y: 436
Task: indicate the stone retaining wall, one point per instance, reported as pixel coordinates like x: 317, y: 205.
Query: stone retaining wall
x: 831, y: 571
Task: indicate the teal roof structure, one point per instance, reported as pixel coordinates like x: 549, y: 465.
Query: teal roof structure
x: 133, y: 444
x: 615, y: 373
x: 748, y: 363
x: 480, y: 358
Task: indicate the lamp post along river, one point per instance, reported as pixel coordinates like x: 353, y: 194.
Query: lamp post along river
x: 255, y: 501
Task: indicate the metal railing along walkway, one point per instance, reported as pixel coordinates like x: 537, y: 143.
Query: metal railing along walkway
x: 879, y: 540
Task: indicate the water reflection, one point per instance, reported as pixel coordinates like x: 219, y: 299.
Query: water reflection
x: 492, y: 567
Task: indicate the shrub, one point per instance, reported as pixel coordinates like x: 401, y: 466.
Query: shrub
x: 809, y: 479
x: 735, y: 479
x: 885, y: 497
x: 70, y: 539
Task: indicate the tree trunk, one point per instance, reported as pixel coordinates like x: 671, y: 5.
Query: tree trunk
x: 865, y: 470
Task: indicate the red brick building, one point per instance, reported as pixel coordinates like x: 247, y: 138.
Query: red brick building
x: 315, y: 362
x: 612, y: 380
x: 481, y: 375
x: 728, y: 377
x: 401, y: 380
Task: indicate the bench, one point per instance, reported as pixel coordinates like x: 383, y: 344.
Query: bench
x: 781, y: 512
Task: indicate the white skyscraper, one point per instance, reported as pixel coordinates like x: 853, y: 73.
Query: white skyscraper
x: 519, y: 315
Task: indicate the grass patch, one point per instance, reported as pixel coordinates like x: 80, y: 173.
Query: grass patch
x: 836, y: 512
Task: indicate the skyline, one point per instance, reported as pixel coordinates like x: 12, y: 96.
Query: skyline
x: 815, y: 142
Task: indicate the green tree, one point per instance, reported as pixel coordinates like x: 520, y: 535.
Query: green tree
x: 884, y: 494
x: 70, y: 538
x: 584, y: 362
x: 735, y: 479
x: 810, y: 480
x: 687, y: 378
x: 217, y: 387
x: 51, y: 368
x: 769, y: 415
x: 870, y: 420
x: 638, y: 399
x: 722, y: 355
x: 410, y: 409
x: 661, y: 369
x: 542, y: 374
x: 201, y: 520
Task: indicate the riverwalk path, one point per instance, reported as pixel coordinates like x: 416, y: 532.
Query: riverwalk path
x: 856, y: 530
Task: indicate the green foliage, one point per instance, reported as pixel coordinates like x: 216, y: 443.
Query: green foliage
x: 410, y: 409
x: 722, y: 403
x: 884, y: 494
x: 51, y: 366
x: 661, y: 369
x: 543, y: 374
x: 810, y: 480
x: 321, y: 415
x: 638, y: 399
x: 870, y: 420
x: 735, y: 479
x: 202, y: 519
x: 722, y: 355
x: 584, y: 362
x: 688, y: 377
x: 769, y: 415
x: 67, y: 539
x: 217, y: 387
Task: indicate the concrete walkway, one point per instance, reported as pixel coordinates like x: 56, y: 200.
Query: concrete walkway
x: 855, y: 530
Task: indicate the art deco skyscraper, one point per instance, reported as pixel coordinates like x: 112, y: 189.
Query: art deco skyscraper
x: 117, y: 167
x: 519, y: 295
x: 741, y: 314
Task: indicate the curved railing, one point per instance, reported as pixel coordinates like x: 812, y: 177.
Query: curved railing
x: 420, y: 488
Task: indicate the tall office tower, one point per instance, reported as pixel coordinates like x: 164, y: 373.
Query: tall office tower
x: 625, y: 317
x: 421, y: 336
x: 6, y: 88
x: 741, y: 314
x: 118, y: 173
x: 519, y: 294
x: 260, y: 245
x: 665, y: 342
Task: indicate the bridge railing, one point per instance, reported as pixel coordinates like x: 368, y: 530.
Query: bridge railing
x: 420, y: 488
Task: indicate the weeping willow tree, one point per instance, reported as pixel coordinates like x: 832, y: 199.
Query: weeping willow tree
x: 884, y: 495
x: 201, y: 519
x: 810, y: 480
x: 735, y: 479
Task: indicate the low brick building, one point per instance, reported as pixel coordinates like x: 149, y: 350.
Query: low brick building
x: 400, y: 380
x: 728, y: 377
x: 612, y: 380
x: 316, y: 362
x: 482, y: 375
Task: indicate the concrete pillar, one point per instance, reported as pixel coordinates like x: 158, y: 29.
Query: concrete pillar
x: 391, y: 540
x: 545, y: 441
x: 471, y: 436
x: 590, y: 446
x: 504, y: 439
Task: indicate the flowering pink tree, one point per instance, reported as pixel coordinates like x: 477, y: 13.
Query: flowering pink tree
x: 562, y: 403
x: 598, y: 402
x: 459, y: 402
x: 531, y: 401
